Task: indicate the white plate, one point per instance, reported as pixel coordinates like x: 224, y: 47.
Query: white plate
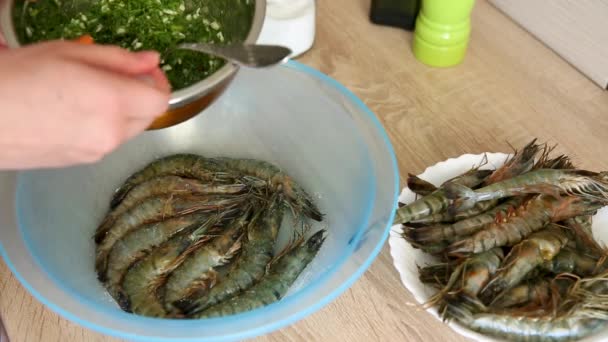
x: 406, y: 258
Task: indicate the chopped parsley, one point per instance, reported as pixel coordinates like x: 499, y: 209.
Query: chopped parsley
x: 142, y: 25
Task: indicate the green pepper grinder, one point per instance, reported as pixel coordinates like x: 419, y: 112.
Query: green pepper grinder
x: 443, y: 28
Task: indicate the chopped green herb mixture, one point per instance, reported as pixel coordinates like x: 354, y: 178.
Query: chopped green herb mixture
x: 142, y: 25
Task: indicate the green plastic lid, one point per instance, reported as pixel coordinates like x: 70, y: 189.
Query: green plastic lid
x: 442, y: 32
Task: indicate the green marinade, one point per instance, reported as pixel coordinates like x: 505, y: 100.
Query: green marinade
x: 142, y: 25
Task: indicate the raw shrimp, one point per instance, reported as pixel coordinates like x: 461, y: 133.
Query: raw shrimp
x: 446, y: 216
x: 160, y: 186
x: 273, y: 286
x: 521, y: 162
x: 529, y: 217
x: 197, y: 272
x: 537, y: 292
x: 583, y: 183
x: 449, y: 232
x: 256, y: 253
x: 143, y: 279
x: 583, y: 312
x: 138, y: 243
x: 423, y: 188
x: 437, y: 201
x: 529, y: 329
x: 571, y: 261
x: 469, y: 277
x: 539, y: 247
x: 182, y: 164
x: 583, y: 235
x: 155, y: 209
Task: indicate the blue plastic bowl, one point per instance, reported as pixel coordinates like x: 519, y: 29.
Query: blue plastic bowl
x: 293, y: 116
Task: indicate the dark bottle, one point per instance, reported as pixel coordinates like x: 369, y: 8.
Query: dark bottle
x: 396, y: 13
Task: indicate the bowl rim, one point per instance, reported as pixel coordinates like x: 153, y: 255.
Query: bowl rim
x: 267, y: 328
x: 179, y: 97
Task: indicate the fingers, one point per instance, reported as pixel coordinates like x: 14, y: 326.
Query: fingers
x: 156, y: 78
x: 107, y: 57
x: 122, y: 104
x: 136, y: 90
x: 114, y: 58
x: 135, y: 127
x: 138, y: 102
x: 142, y: 98
x: 144, y: 64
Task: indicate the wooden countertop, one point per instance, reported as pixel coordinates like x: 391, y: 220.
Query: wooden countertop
x: 509, y: 89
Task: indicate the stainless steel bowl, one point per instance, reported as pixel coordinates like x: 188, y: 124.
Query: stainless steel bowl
x: 184, y: 103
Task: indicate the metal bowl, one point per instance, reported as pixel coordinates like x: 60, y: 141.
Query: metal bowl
x: 184, y: 103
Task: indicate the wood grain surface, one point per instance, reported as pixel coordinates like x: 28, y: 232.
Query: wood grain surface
x: 507, y: 91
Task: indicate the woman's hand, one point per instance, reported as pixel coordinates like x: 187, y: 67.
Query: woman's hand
x: 65, y: 103
x: 2, y: 41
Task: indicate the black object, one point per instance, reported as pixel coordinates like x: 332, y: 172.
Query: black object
x: 396, y: 13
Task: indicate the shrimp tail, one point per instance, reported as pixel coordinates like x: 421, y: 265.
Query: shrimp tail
x: 457, y: 312
x: 463, y: 197
x: 310, y: 209
x: 419, y: 186
x: 436, y: 275
x: 420, y: 235
x: 460, y: 248
x: 462, y: 308
x: 123, y: 301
